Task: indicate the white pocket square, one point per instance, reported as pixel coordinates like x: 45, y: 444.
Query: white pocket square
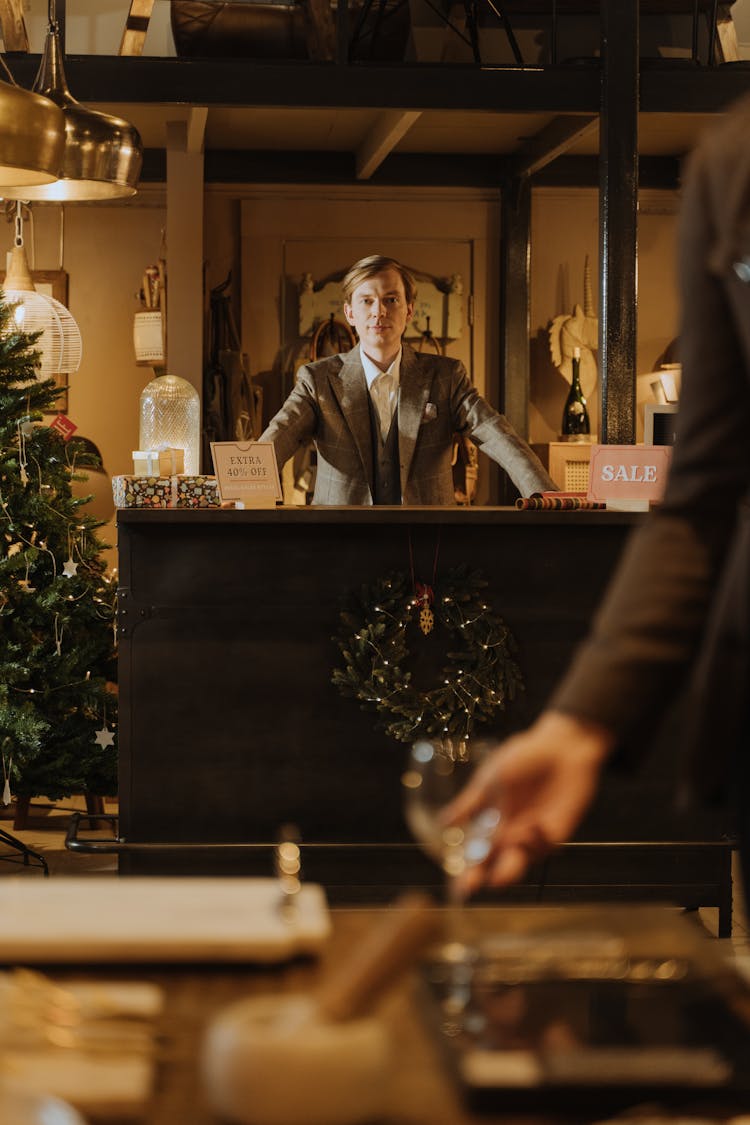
x: 429, y: 414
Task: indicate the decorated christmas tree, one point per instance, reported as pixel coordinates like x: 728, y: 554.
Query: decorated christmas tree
x: 57, y: 708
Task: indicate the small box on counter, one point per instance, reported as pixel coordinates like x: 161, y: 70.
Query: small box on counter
x: 145, y: 463
x: 142, y: 492
x: 178, y: 491
x: 171, y: 462
x: 158, y: 462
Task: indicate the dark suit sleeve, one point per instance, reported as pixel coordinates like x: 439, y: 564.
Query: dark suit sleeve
x: 495, y: 436
x: 651, y: 624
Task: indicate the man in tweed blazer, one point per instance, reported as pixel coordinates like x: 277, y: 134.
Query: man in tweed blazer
x: 383, y: 416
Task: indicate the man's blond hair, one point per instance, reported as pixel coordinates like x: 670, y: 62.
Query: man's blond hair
x: 368, y: 267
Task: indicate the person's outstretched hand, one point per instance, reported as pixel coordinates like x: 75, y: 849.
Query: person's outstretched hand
x: 542, y: 782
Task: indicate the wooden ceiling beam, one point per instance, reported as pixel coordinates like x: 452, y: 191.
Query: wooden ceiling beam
x: 388, y: 130
x: 556, y: 138
x: 196, y: 128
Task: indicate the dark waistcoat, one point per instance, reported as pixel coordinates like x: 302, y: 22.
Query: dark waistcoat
x: 386, y: 484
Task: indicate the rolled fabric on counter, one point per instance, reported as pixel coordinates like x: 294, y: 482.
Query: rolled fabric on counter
x: 555, y: 503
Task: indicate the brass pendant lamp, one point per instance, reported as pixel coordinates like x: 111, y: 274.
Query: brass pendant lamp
x: 102, y: 155
x: 32, y: 136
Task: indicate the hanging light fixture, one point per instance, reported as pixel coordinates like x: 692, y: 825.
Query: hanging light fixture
x: 102, y: 155
x: 32, y: 136
x: 59, y: 345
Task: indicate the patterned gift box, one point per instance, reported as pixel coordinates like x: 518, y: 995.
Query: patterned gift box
x: 181, y: 491
x: 142, y: 492
x: 195, y: 492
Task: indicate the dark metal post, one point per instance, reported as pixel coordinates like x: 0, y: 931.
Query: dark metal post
x: 57, y: 12
x: 712, y: 30
x: 618, y: 207
x: 515, y: 242
x: 342, y: 32
x: 553, y: 34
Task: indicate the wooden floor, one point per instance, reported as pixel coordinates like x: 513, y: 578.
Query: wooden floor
x: 45, y: 834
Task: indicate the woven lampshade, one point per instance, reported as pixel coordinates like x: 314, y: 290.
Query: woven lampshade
x: 102, y: 154
x: 60, y: 344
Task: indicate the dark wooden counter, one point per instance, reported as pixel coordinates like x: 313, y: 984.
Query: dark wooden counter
x: 229, y: 724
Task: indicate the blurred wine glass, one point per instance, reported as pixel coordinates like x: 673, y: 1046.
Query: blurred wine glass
x: 437, y: 770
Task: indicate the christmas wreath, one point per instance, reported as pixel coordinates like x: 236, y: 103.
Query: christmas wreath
x: 477, y: 673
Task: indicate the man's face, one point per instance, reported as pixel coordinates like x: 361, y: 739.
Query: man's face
x: 380, y: 313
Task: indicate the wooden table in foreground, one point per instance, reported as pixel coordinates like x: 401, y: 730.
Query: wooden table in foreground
x: 423, y: 1090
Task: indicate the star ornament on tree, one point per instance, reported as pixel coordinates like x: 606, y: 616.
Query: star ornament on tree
x: 104, y: 738
x: 70, y: 568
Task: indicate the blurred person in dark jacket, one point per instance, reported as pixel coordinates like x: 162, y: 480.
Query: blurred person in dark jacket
x: 677, y: 612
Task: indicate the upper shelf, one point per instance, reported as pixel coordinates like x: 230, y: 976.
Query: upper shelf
x: 310, y: 121
x: 679, y: 87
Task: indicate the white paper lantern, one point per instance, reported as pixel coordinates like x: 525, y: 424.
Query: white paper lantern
x: 60, y: 345
x: 148, y: 338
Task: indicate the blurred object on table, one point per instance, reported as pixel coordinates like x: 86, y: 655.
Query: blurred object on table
x: 90, y: 1043
x: 157, y: 919
x: 599, y: 1007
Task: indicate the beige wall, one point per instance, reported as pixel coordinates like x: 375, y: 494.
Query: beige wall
x: 287, y: 231
x: 95, y: 27
x: 564, y: 230
x: 104, y: 251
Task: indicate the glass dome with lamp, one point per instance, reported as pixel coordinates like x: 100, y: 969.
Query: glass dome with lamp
x: 170, y: 418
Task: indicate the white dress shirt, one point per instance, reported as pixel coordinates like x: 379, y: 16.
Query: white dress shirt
x: 383, y: 387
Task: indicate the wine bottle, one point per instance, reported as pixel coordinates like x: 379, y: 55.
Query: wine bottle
x: 575, y: 419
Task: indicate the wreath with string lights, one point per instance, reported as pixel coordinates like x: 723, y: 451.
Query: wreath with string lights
x: 480, y: 675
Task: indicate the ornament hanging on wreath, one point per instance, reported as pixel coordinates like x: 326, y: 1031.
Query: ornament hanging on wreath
x: 477, y: 678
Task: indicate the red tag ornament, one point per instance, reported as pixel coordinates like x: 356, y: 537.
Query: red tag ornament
x: 64, y: 426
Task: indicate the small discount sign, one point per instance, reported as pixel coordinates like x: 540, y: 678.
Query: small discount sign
x: 247, y: 472
x: 628, y: 472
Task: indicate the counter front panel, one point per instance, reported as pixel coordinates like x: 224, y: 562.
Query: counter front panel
x: 230, y: 725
